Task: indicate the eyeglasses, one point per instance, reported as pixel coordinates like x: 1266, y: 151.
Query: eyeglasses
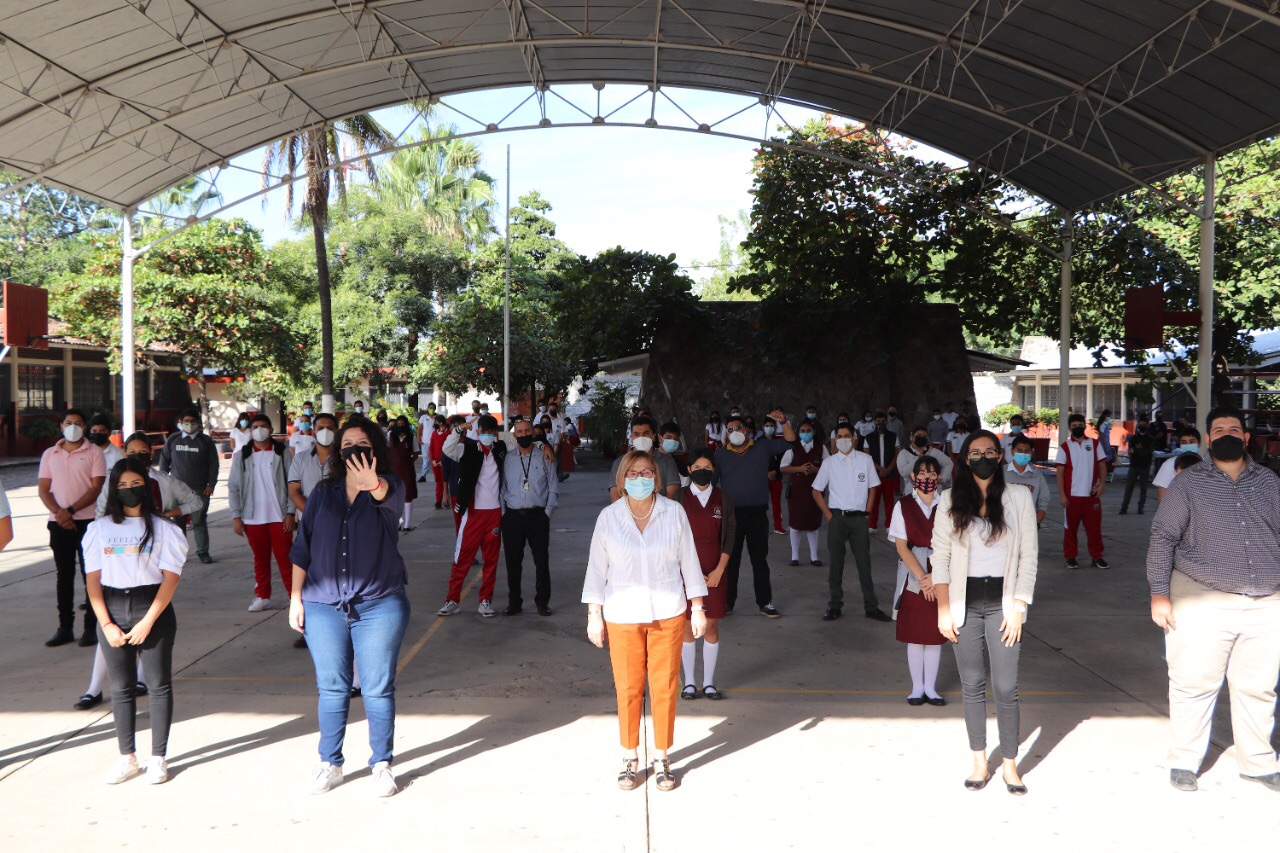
x: 636, y: 475
x: 738, y: 429
x: 990, y: 454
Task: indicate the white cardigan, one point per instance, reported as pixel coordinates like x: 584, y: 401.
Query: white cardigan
x: 952, y: 550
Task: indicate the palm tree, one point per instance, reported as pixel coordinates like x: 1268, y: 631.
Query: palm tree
x: 442, y: 179
x: 179, y: 200
x: 316, y: 150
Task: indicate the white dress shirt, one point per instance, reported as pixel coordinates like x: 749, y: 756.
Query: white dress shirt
x: 1085, y: 453
x: 848, y: 479
x: 642, y: 577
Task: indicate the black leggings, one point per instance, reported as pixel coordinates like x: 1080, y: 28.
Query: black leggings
x: 126, y: 608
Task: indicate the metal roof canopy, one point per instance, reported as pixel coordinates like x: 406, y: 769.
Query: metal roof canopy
x: 1075, y: 100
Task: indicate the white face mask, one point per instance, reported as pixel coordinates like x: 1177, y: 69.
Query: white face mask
x: 844, y: 445
x: 324, y: 437
x: 937, y: 417
x: 73, y: 433
x: 642, y: 443
x: 737, y: 439
x: 189, y: 429
x: 261, y: 433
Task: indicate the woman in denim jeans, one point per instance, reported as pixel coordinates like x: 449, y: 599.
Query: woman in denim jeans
x: 985, y: 551
x: 348, y: 597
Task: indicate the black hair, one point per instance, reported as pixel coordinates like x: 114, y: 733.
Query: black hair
x: 316, y: 418
x: 927, y: 462
x: 811, y: 406
x: 703, y: 453
x: 1185, y: 461
x: 308, y: 403
x: 643, y: 420
x: 1190, y: 430
x: 115, y: 509
x: 1075, y: 417
x: 1219, y: 412
x: 1022, y: 440
x: 138, y: 435
x: 881, y: 415
x: 739, y: 418
x: 261, y: 418
x: 337, y: 470
x: 100, y: 420
x: 966, y: 495
x: 485, y: 422
x: 242, y: 416
x: 1106, y: 413
x: 919, y: 428
x: 189, y: 412
x: 1017, y: 415
x: 840, y: 415
x: 848, y: 427
x: 669, y: 426
x: 69, y: 412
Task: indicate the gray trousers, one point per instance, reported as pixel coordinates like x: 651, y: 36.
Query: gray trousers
x: 981, y: 629
x: 850, y: 530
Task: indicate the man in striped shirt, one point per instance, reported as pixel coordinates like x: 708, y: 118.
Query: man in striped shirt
x: 1214, y: 571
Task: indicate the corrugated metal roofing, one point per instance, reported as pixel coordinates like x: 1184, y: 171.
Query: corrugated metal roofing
x: 1075, y: 100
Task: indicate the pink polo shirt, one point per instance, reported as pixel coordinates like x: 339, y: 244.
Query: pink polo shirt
x: 72, y: 473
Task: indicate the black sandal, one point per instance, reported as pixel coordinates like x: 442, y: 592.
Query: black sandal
x: 689, y: 692
x: 627, y: 778
x: 662, y: 775
x: 711, y: 693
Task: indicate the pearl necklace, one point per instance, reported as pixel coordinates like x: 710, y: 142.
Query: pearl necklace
x: 652, y: 503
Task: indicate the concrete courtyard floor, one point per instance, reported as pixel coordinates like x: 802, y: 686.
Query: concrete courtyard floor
x: 506, y: 732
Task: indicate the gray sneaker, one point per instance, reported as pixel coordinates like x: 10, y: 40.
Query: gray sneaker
x: 486, y: 609
x: 1271, y: 780
x: 1183, y: 780
x: 450, y: 608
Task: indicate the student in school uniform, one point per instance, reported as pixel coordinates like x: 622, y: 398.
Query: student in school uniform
x: 1016, y: 426
x: 715, y: 431
x: 911, y: 532
x: 133, y: 562
x: 1022, y: 473
x: 882, y: 446
x: 917, y: 447
x: 937, y: 429
x: 710, y: 513
x: 956, y: 438
x: 1188, y: 442
x: 1081, y: 475
x: 801, y: 462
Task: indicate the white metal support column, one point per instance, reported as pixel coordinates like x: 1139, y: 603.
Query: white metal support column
x: 506, y: 319
x: 1064, y: 330
x: 1204, y: 360
x: 128, y: 378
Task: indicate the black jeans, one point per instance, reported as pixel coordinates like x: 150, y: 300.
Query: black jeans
x: 533, y: 527
x: 65, y: 545
x: 984, y: 611
x: 753, y: 529
x: 1140, y: 475
x: 127, y: 607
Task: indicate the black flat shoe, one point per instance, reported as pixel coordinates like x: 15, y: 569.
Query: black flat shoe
x: 141, y: 689
x: 879, y: 615
x: 355, y: 693
x: 300, y: 643
x: 815, y: 562
x: 915, y: 701
x: 60, y: 638
x: 544, y: 610
x: 1016, y: 790
x: 205, y: 558
x: 793, y: 562
x: 936, y: 701
x: 689, y: 692
x: 975, y: 784
x: 88, y: 638
x: 711, y: 693
x: 513, y: 610
x: 88, y: 701
x: 831, y: 614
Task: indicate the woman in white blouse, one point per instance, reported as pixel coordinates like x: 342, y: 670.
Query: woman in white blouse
x: 985, y: 552
x: 133, y: 561
x: 642, y: 573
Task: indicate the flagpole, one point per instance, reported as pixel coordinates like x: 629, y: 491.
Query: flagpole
x: 506, y: 313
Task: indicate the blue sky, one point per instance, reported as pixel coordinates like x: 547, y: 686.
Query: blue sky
x: 640, y: 188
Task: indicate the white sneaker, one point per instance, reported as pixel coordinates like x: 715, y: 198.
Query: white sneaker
x: 259, y: 605
x: 486, y: 609
x: 157, y: 771
x: 450, y: 608
x: 122, y: 771
x: 384, y: 781
x: 325, y: 778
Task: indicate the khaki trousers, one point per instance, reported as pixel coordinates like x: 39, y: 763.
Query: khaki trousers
x: 1220, y: 635
x: 651, y: 649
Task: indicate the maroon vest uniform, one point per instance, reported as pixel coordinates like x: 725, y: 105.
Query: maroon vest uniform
x: 919, y: 526
x: 705, y: 523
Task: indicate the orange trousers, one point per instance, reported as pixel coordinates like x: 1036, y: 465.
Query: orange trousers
x: 652, y: 648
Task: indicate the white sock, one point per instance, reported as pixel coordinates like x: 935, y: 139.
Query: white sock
x: 795, y: 544
x: 813, y: 544
x: 99, y: 672
x: 355, y: 676
x: 408, y: 514
x: 710, y: 654
x: 915, y: 663
x: 932, y: 658
x: 140, y: 678
x: 688, y: 655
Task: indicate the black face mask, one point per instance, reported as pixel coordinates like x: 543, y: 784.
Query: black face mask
x: 920, y: 441
x: 132, y: 496
x: 1228, y: 448
x: 525, y: 440
x: 144, y: 458
x: 881, y: 427
x: 98, y: 438
x: 365, y: 453
x: 984, y: 468
x: 1143, y: 428
x: 702, y: 476
x: 1077, y: 432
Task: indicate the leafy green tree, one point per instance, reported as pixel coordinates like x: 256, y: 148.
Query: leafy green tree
x: 729, y: 263
x: 46, y: 233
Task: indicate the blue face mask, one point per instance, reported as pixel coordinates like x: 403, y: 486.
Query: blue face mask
x: 1022, y: 459
x: 1188, y: 448
x: 486, y: 439
x: 810, y: 415
x: 806, y: 437
x: 639, y: 488
x: 670, y: 445
x: 1016, y: 429
x: 770, y: 429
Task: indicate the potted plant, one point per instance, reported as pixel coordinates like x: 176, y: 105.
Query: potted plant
x: 607, y: 421
x: 43, y: 432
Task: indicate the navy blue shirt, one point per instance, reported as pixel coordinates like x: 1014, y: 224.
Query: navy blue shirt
x: 350, y: 552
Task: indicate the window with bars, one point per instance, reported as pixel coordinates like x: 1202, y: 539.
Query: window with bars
x: 90, y: 387
x: 39, y: 389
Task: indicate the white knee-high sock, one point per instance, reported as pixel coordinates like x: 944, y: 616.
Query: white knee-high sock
x: 99, y: 672
x: 408, y: 514
x: 932, y: 658
x: 813, y: 544
x: 710, y: 655
x: 688, y: 654
x: 795, y: 543
x: 355, y: 676
x: 915, y: 663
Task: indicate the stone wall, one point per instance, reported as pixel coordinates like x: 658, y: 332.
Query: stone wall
x: 916, y: 362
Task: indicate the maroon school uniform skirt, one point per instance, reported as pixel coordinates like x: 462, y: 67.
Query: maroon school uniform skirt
x: 918, y: 620
x: 716, y: 600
